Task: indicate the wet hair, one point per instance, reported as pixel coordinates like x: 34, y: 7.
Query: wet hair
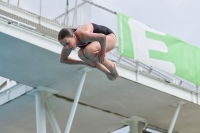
x: 65, y: 32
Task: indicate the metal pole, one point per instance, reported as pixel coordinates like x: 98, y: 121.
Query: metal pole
x: 67, y: 21
x: 40, y: 112
x: 78, y: 93
x: 137, y: 70
x: 66, y: 18
x: 40, y: 12
x: 106, y: 9
x: 197, y: 93
x: 51, y: 117
x: 174, y: 118
x: 81, y: 16
x: 18, y: 3
x: 134, y: 127
x: 8, y: 83
x: 75, y: 14
x: 72, y: 9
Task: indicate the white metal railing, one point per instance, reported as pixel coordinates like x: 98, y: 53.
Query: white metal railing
x: 13, y: 92
x: 15, y: 22
x: 61, y: 12
x: 6, y: 84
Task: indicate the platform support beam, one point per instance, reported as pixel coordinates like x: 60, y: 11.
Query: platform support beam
x: 40, y: 112
x: 42, y: 105
x: 51, y: 117
x: 76, y: 99
x: 175, y: 115
x: 137, y: 124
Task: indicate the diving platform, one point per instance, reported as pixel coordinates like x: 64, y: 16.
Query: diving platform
x: 32, y: 59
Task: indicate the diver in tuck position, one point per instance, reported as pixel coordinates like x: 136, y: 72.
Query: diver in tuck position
x: 94, y: 41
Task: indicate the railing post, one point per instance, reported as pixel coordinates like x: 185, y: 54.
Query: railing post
x: 75, y: 15
x: 66, y: 13
x: 137, y: 70
x: 8, y: 83
x: 40, y: 12
x: 118, y: 60
x: 18, y: 3
x: 197, y: 93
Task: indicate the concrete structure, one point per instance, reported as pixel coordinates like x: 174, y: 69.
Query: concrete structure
x: 32, y: 59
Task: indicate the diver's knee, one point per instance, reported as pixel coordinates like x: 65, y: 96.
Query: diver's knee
x: 87, y: 52
x: 80, y: 53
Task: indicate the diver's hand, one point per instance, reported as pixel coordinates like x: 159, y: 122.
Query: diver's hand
x: 101, y: 56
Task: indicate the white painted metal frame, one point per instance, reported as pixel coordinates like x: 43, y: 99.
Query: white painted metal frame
x: 40, y: 112
x: 30, y: 16
x: 175, y: 115
x: 40, y: 12
x: 51, y: 117
x: 18, y: 3
x: 13, y: 92
x: 137, y: 124
x: 42, y: 106
x: 78, y: 93
x: 11, y: 21
x: 66, y: 16
x: 8, y: 83
x: 106, y: 9
x: 75, y: 15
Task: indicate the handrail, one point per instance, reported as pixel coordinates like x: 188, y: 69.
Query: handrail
x: 12, y: 21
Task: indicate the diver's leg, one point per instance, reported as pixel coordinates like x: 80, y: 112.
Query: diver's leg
x: 95, y: 64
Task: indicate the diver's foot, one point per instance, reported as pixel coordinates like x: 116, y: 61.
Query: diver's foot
x: 110, y: 77
x: 113, y: 70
